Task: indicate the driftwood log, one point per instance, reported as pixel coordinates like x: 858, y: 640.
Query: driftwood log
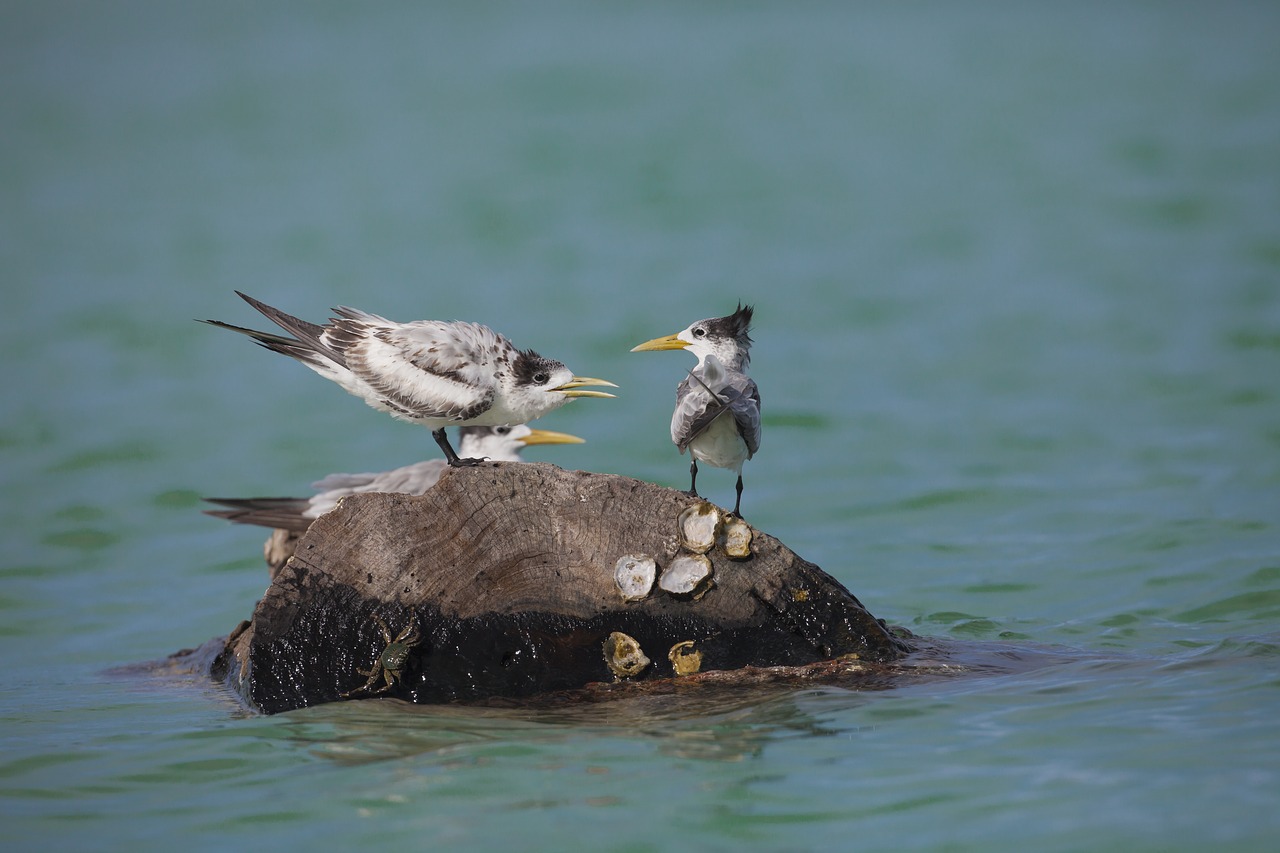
x: 509, y: 581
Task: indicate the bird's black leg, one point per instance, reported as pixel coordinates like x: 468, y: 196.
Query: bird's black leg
x: 737, y: 504
x: 450, y: 456
x: 693, y: 479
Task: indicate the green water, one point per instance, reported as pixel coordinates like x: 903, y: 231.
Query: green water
x: 1017, y: 277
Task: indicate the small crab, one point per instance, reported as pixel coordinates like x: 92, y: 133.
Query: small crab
x: 391, y: 661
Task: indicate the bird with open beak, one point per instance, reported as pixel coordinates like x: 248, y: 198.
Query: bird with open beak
x: 430, y: 372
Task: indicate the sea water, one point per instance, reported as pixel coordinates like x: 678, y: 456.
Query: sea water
x: 1016, y: 272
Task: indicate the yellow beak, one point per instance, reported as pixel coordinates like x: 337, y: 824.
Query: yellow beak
x: 573, y: 387
x: 669, y: 342
x: 546, y: 436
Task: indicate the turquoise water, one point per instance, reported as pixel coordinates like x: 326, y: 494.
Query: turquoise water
x: 1017, y: 277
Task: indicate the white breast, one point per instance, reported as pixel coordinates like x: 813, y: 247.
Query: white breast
x: 720, y: 445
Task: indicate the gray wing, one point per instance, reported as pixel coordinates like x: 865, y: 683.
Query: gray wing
x: 699, y: 403
x: 413, y: 479
x: 745, y: 405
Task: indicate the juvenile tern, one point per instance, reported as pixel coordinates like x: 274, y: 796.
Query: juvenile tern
x: 429, y: 372
x: 717, y: 414
x: 498, y: 444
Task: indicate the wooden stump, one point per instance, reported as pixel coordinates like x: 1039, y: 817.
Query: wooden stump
x: 514, y: 580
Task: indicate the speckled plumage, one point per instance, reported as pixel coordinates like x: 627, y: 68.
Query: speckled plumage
x: 430, y: 372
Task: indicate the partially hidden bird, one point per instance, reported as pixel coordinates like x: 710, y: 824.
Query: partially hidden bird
x: 497, y: 444
x: 429, y: 372
x: 717, y: 413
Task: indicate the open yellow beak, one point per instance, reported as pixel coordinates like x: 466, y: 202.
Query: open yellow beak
x: 669, y: 342
x: 573, y: 388
x: 546, y: 436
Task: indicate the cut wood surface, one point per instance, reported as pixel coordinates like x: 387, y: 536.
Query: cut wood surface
x: 515, y: 580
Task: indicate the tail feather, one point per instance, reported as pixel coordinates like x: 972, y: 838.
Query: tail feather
x: 307, y: 344
x: 299, y: 328
x: 286, y: 513
x: 276, y: 343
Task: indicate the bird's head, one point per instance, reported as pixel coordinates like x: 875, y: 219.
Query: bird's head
x: 544, y: 384
x: 504, y: 443
x: 727, y: 338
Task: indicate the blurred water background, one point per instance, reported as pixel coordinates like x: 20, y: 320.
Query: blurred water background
x: 1017, y: 278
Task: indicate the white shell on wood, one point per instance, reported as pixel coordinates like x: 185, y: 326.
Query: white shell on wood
x: 686, y: 575
x: 634, y: 574
x: 737, y: 539
x: 699, y: 525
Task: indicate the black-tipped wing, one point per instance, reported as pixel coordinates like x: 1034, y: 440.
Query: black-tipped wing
x: 307, y: 344
x: 308, y: 334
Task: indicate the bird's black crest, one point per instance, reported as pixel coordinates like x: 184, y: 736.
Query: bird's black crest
x: 529, y: 364
x: 737, y: 325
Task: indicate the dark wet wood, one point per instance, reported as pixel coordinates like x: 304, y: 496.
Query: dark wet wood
x: 505, y: 571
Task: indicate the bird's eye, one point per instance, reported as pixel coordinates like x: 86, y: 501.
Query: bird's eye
x: 502, y: 430
x: 540, y: 378
x: 699, y: 332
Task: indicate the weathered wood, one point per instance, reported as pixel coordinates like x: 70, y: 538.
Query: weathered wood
x: 501, y: 583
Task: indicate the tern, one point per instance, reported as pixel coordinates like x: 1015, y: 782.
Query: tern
x: 498, y: 444
x: 717, y: 414
x: 428, y: 372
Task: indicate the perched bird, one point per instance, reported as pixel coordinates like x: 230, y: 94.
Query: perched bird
x: 429, y: 372
x: 500, y: 444
x: 717, y: 415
